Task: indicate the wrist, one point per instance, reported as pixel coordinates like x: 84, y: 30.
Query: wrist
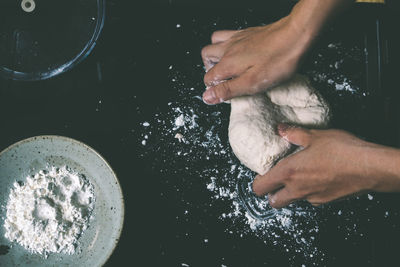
x: 303, y: 27
x: 308, y: 17
x: 382, y: 168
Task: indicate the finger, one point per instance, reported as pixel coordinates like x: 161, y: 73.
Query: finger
x: 316, y: 204
x: 317, y: 199
x: 221, y: 72
x: 280, y: 198
x: 212, y: 54
x: 228, y: 89
x: 272, y: 180
x: 295, y: 135
x: 222, y: 36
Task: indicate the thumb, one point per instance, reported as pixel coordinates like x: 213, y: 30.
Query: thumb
x: 295, y: 135
x: 228, y: 89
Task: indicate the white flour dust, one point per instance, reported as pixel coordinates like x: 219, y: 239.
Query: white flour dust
x: 329, y: 67
x: 49, y: 211
x: 191, y: 137
x: 187, y: 142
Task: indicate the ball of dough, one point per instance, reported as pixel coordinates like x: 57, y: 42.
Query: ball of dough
x: 253, y: 121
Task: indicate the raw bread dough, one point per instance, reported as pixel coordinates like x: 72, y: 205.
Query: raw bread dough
x: 253, y: 121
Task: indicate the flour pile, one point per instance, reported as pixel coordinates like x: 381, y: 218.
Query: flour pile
x: 49, y: 211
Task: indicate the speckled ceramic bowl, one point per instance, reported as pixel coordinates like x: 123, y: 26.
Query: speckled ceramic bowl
x: 99, y: 240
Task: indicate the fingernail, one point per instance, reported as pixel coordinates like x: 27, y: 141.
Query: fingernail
x: 210, y: 98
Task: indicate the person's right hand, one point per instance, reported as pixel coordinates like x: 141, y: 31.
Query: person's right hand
x: 252, y: 60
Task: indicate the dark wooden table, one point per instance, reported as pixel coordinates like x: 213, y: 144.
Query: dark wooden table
x: 127, y: 80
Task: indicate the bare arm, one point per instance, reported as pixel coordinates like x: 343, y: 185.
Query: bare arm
x: 254, y: 59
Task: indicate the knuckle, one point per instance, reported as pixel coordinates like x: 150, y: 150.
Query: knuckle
x: 204, y: 51
x: 214, y: 36
x: 225, y: 90
x: 207, y: 78
x: 290, y: 174
x: 211, y: 77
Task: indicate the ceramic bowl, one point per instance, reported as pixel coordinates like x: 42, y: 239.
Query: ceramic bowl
x: 29, y: 156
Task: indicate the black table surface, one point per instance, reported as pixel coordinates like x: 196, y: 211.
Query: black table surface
x: 148, y: 57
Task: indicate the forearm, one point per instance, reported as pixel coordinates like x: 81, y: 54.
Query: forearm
x: 384, y: 168
x: 255, y: 59
x: 310, y: 16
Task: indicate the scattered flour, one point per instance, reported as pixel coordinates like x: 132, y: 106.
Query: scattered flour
x: 190, y: 148
x: 191, y: 134
x: 49, y: 211
x: 329, y: 69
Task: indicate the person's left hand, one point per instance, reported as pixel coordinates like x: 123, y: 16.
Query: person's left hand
x: 332, y: 165
x: 252, y: 60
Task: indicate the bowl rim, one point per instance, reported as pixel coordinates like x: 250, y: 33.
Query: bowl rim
x: 79, y: 143
x: 85, y: 51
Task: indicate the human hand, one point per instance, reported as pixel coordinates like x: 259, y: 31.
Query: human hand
x: 248, y: 61
x: 252, y: 60
x: 333, y: 164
